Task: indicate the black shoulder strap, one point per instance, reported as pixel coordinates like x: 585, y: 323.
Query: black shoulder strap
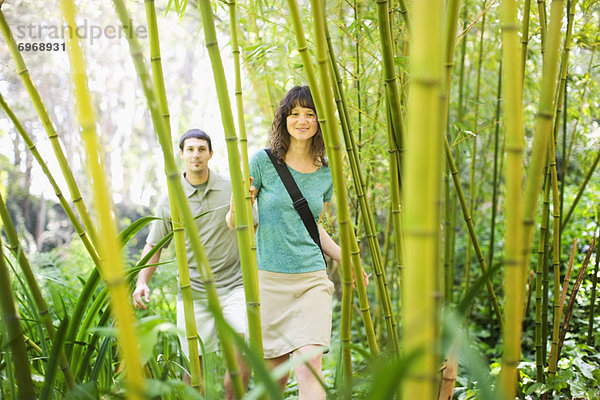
x: 300, y: 203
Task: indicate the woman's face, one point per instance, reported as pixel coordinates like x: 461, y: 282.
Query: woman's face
x: 302, y: 123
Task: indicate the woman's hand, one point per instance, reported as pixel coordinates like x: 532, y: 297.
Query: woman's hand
x: 230, y: 217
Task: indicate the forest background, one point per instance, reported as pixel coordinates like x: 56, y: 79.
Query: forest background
x: 271, y: 64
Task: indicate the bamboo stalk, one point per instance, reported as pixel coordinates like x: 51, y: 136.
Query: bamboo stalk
x: 347, y: 239
x: 94, y: 277
x: 395, y: 121
x: 582, y: 187
x: 365, y: 208
x: 513, y: 253
x: 590, y: 339
x: 471, y: 229
x: 52, y: 134
x: 473, y: 165
x: 421, y: 195
x: 539, y: 287
x: 556, y: 247
x: 543, y: 131
x: 36, y: 293
x: 389, y: 72
x: 63, y: 202
x: 496, y: 171
x: 15, y: 339
x: 558, y: 308
x: 243, y: 228
x: 112, y: 266
x: 572, y: 297
x: 178, y: 230
x: 173, y: 178
x: 525, y: 35
x: 334, y: 151
x: 450, y: 28
x: 250, y: 274
x: 543, y: 22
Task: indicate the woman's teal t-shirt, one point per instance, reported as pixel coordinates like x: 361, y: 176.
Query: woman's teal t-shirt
x: 282, y: 241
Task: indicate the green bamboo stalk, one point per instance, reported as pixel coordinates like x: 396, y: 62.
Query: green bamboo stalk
x: 365, y: 208
x: 450, y: 28
x: 181, y: 201
x: 389, y: 72
x: 543, y: 22
x: 590, y: 333
x: 156, y: 62
x: 543, y: 132
x: 395, y: 121
x: 471, y: 229
x: 473, y: 166
x: 513, y: 253
x: 559, y: 303
x: 582, y: 188
x: 421, y: 199
x: 562, y: 89
x: 448, y: 259
x: 326, y: 110
x: 357, y: 69
x: 396, y: 216
x: 251, y: 281
x: 52, y: 134
x: 112, y: 266
x: 258, y: 41
x: 63, y: 202
x: 94, y: 276
x: 573, y: 296
x: 543, y: 235
x: 404, y: 13
x: 545, y: 294
x: 36, y: 293
x: 584, y: 90
x: 555, y: 256
x: 496, y: 170
x: 525, y: 35
x: 243, y: 228
x: 346, y: 278
x: 173, y: 178
x: 178, y: 230
x: 15, y: 340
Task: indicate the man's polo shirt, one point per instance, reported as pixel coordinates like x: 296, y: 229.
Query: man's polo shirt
x: 220, y: 242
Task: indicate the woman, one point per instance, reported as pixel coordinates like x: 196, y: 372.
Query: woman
x: 295, y: 291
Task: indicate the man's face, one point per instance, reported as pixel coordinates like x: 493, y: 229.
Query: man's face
x: 195, y: 155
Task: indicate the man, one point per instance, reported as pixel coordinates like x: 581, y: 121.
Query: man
x: 207, y: 194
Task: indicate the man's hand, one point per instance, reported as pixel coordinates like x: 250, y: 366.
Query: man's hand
x: 141, y: 294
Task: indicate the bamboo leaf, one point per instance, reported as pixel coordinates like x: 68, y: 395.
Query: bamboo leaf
x: 133, y: 228
x: 53, y: 366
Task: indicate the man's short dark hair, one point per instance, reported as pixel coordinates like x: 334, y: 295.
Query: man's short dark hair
x: 197, y: 134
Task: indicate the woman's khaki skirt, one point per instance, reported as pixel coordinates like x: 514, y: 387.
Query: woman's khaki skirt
x: 295, y: 311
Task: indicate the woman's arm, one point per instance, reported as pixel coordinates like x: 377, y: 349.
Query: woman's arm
x: 230, y: 216
x: 331, y: 248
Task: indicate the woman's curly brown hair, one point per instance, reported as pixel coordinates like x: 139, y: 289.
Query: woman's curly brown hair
x: 279, y: 141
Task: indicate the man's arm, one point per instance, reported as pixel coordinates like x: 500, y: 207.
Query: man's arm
x: 142, y: 291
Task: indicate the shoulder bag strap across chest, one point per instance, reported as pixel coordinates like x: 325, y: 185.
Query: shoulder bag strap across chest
x: 300, y: 203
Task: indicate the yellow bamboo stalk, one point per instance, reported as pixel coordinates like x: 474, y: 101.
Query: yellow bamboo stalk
x: 513, y: 123
x: 112, y: 266
x: 51, y: 132
x: 421, y: 194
